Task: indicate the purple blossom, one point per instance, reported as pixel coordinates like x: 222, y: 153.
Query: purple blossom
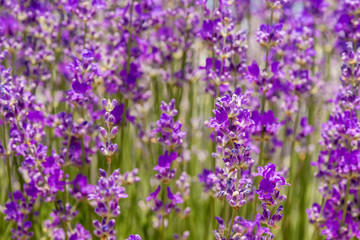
x: 174, y: 198
x: 105, y: 229
x: 154, y: 194
x: 18, y: 211
x: 171, y: 134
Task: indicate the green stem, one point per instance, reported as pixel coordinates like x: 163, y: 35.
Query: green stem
x: 122, y: 135
x: 211, y: 224
x: 169, y: 91
x: 292, y: 154
x: 272, y: 16
x: 20, y: 178
x: 85, y: 32
x: 249, y: 29
x: 13, y: 62
x: 288, y: 209
x: 345, y: 201
x: 83, y: 155
x: 53, y: 87
x: 163, y: 197
x: 189, y: 116
x: 8, y: 166
x: 66, y: 161
x: 231, y: 224
x: 284, y: 142
x: 305, y: 176
x: 109, y: 169
x: 9, y: 173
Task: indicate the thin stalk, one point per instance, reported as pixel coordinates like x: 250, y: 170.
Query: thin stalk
x: 305, y: 176
x: 183, y: 65
x: 231, y: 224
x: 109, y: 169
x: 122, y: 135
x: 83, y: 155
x: 108, y: 157
x: 20, y: 178
x: 158, y: 95
x: 211, y: 206
x: 8, y: 166
x: 292, y: 154
x: 271, y: 16
x: 66, y: 161
x: 13, y: 62
x: 85, y: 32
x: 189, y: 116
x: 163, y: 197
x: 169, y: 91
x: 249, y: 27
x: 53, y: 81
x: 286, y: 229
x: 212, y: 203
x: 345, y: 201
x: 284, y: 142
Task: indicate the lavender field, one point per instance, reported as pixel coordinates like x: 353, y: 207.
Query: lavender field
x: 180, y: 119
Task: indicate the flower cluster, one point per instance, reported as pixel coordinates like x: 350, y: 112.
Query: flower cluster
x: 106, y: 196
x: 18, y: 211
x: 227, y: 64
x: 338, y: 166
x: 172, y: 138
x: 171, y: 135
x: 82, y: 73
x: 109, y: 133
x: 61, y: 216
x: 269, y: 194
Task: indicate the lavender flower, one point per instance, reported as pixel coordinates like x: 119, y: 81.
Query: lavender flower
x: 172, y: 138
x: 110, y: 148
x: 338, y: 165
x: 18, y: 211
x: 106, y: 196
x: 171, y: 134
